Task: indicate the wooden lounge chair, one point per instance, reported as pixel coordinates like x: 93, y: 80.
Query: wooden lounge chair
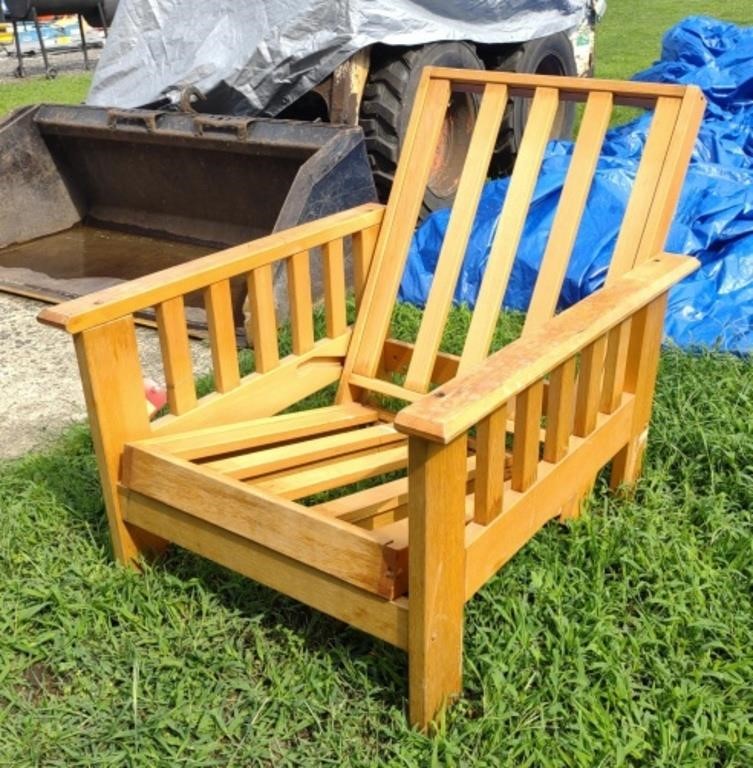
x: 224, y: 476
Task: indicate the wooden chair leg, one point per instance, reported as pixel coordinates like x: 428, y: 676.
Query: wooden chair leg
x: 627, y: 464
x: 117, y: 414
x: 573, y: 508
x: 436, y: 575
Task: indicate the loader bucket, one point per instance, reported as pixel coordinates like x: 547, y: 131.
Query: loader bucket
x: 90, y: 197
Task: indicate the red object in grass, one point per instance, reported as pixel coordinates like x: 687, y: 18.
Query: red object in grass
x: 156, y: 396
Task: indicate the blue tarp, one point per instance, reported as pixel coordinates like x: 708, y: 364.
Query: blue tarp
x: 714, y: 220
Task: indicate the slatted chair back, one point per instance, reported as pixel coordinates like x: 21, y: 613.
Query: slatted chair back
x: 643, y: 232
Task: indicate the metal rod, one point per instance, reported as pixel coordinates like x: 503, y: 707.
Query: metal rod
x: 40, y: 38
x: 102, y: 18
x: 83, y: 41
x: 19, y: 55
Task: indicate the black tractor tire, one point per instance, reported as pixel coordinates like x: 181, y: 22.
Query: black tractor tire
x: 551, y: 55
x: 93, y: 17
x: 386, y: 106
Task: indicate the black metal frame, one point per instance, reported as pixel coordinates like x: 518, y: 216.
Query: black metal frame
x: 51, y: 72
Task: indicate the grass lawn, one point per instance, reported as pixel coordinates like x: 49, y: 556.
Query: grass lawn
x: 622, y: 639
x: 66, y: 89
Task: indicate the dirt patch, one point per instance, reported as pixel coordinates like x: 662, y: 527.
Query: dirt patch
x: 41, y: 681
x: 40, y: 390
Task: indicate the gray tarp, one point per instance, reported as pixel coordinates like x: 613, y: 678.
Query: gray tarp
x: 270, y: 52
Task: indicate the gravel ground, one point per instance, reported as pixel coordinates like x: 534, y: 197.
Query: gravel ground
x: 40, y: 391
x: 68, y: 62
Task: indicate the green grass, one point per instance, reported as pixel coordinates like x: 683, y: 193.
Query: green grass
x: 629, y: 38
x: 66, y: 89
x: 623, y: 639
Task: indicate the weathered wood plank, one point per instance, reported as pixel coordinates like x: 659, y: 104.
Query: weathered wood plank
x: 334, y: 473
x: 456, y: 406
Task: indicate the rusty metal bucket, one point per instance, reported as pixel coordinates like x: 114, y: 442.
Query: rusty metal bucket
x: 90, y: 197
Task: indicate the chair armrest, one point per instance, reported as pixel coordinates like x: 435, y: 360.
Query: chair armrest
x: 458, y: 405
x: 135, y: 295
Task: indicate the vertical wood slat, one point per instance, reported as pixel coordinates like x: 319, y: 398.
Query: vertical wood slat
x: 301, y: 308
x: 570, y: 209
x: 644, y: 189
x: 436, y: 574
x: 333, y: 261
x: 399, y: 223
x: 588, y: 398
x: 490, y: 466
x: 560, y: 405
x: 364, y: 243
x: 263, y: 322
x: 525, y: 448
x: 472, y: 179
x: 614, y: 366
x: 176, y: 355
x: 219, y: 308
x: 510, y: 226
